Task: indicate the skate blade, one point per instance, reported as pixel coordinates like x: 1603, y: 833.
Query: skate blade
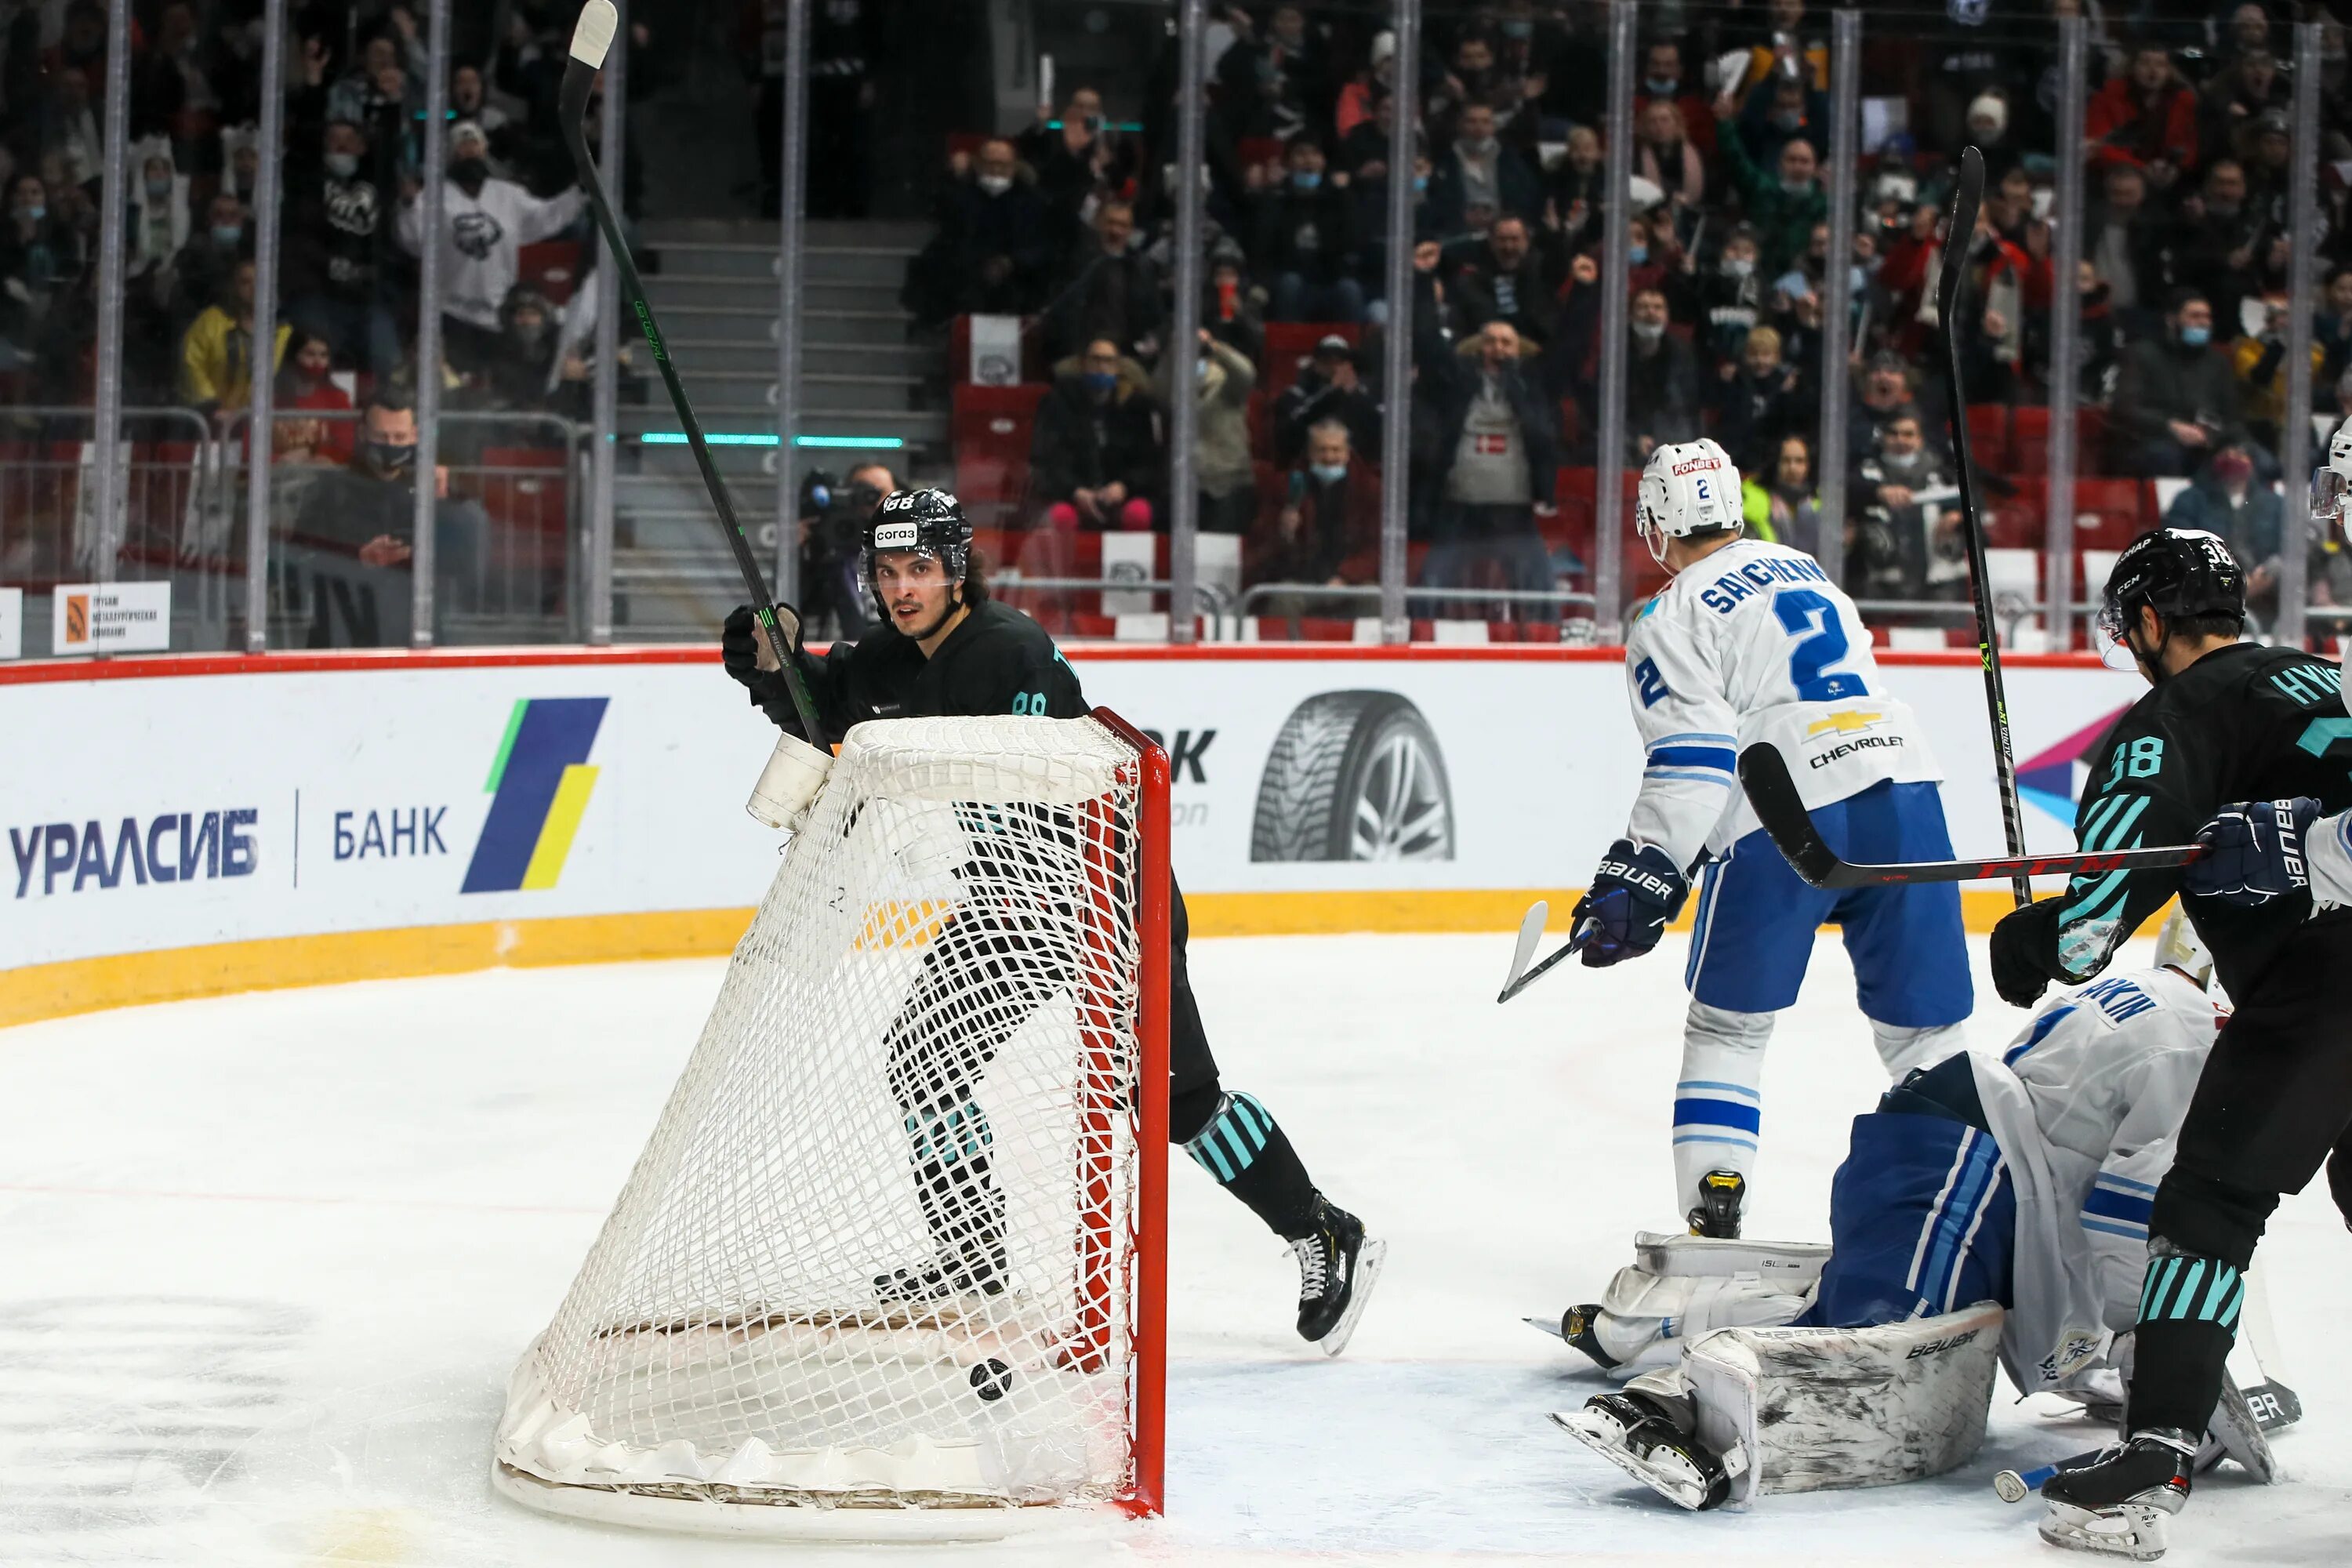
x: 1369, y: 1258
x: 2135, y: 1531
x: 1549, y: 1325
x: 1677, y: 1483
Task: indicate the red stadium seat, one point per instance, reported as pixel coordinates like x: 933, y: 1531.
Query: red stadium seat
x: 991, y: 426
x: 1988, y: 435
x: 551, y: 267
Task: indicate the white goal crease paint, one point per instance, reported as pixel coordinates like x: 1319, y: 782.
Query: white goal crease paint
x: 438, y: 1154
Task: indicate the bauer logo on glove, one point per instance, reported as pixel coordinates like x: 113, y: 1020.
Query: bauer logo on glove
x: 1636, y: 891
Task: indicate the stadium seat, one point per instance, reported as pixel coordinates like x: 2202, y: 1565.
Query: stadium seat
x: 992, y: 425
x: 551, y: 267
x: 1988, y: 437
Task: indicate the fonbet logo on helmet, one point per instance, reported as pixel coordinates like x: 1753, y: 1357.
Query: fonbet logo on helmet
x: 1687, y: 487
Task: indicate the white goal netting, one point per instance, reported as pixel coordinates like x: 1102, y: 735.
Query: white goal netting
x: 881, y: 1248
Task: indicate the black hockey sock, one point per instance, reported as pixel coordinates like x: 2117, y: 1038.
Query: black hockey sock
x: 2187, y: 1321
x: 1246, y: 1151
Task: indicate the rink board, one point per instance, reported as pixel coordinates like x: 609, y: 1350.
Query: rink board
x: 180, y: 827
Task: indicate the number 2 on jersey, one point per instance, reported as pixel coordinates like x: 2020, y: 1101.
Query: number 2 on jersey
x: 1813, y: 621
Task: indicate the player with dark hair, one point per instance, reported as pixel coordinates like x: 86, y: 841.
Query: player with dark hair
x: 2226, y: 721
x: 945, y: 649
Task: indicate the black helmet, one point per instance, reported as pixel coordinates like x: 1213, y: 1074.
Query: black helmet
x: 931, y: 521
x: 2175, y: 572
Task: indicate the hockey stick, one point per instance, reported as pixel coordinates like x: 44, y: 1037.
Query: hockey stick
x: 1966, y: 196
x: 1781, y: 810
x: 1531, y: 929
x: 592, y: 39
x: 2016, y: 1486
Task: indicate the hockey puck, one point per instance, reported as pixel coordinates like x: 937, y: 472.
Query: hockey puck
x: 991, y: 1380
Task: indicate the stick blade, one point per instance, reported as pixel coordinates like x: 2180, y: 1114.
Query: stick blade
x: 1531, y: 930
x: 591, y: 37
x: 1780, y: 809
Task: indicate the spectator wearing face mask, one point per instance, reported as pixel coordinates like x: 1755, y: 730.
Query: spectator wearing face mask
x: 1664, y: 80
x: 1777, y: 112
x: 1095, y: 455
x: 1328, y: 388
x: 216, y: 355
x: 1725, y: 299
x: 1326, y: 528
x: 1780, y: 503
x: 159, y: 212
x: 347, y: 559
x: 1305, y: 241
x: 1782, y: 206
x: 2228, y: 501
x: 1662, y: 394
x: 336, y: 248
x: 991, y: 253
x: 2176, y: 398
x: 1222, y: 378
x: 486, y: 223
x: 201, y: 269
x: 1479, y: 171
x: 1906, y: 543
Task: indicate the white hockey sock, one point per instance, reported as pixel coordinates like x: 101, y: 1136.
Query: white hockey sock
x: 1717, y: 1104
x: 1902, y: 1049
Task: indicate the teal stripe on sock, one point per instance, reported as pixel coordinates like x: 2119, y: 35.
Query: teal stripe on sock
x: 1204, y: 1155
x: 2229, y: 1318
x: 2159, y: 1270
x: 2225, y: 1280
x: 2177, y: 1310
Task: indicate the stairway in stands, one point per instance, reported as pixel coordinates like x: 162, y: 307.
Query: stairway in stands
x: 713, y: 287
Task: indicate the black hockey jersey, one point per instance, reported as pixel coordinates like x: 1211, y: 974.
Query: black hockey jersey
x: 2244, y: 722
x: 997, y: 661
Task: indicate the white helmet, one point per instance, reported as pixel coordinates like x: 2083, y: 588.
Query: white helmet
x: 1687, y: 487
x: 2177, y: 946
x: 2331, y: 487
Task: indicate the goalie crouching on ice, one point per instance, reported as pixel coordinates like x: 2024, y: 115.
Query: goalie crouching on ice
x: 1987, y: 1203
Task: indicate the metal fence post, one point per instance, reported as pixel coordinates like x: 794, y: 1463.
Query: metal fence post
x: 2294, y: 435
x: 114, y: 216
x: 1184, y: 396
x: 428, y: 319
x: 267, y: 185
x: 607, y: 418
x: 2065, y: 335
x: 1837, y: 288
x: 1396, y: 343
x: 1616, y: 264
x: 792, y: 197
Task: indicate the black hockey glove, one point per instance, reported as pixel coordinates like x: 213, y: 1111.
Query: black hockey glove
x: 2253, y: 852
x: 741, y: 644
x: 1635, y: 893
x: 2025, y: 952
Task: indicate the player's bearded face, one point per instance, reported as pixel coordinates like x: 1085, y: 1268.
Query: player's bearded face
x: 913, y: 590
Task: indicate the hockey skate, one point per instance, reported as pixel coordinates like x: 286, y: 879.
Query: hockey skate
x: 2119, y: 1506
x: 1338, y: 1267
x: 980, y: 1276
x: 1721, y: 1194
x: 1608, y: 1340
x: 1652, y: 1438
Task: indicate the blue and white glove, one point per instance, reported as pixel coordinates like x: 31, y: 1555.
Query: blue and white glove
x: 2253, y: 852
x: 1634, y: 892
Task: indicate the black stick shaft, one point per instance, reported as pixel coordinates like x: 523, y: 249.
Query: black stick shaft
x: 1967, y: 196
x: 579, y: 76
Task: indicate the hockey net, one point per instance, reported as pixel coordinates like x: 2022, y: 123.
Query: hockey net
x: 895, y: 1246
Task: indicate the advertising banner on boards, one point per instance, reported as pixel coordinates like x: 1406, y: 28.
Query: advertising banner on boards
x: 173, y: 811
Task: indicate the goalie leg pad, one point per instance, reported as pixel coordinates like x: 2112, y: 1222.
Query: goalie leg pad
x: 1822, y: 1409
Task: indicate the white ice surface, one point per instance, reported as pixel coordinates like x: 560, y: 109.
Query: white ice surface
x: 265, y: 1263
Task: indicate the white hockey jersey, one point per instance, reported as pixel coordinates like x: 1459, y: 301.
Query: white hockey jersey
x: 2085, y: 1103
x: 1754, y: 643
x: 482, y: 241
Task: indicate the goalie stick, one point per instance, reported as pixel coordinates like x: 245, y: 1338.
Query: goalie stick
x: 1967, y: 194
x: 1781, y: 810
x: 592, y: 39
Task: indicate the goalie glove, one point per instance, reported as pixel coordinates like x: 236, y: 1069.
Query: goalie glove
x: 1635, y: 890
x: 2253, y: 852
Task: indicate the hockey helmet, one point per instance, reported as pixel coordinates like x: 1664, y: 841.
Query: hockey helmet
x: 1687, y: 487
x: 2177, y: 946
x: 929, y: 521
x: 2174, y: 572
x: 2331, y: 487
